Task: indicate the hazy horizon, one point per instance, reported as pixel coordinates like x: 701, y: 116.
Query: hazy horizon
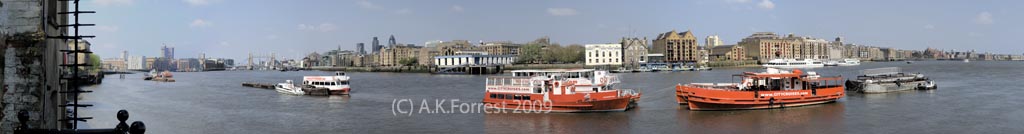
x: 231, y: 29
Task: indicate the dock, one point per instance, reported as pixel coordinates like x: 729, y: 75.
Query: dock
x: 312, y: 91
x: 258, y: 85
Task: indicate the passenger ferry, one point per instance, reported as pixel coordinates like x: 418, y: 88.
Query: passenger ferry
x: 849, y: 62
x: 337, y: 84
x: 771, y: 89
x: 883, y: 80
x: 793, y: 63
x: 558, y: 90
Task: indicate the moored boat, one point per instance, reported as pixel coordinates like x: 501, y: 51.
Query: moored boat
x: 771, y: 89
x: 849, y: 62
x: 289, y: 88
x: 558, y: 90
x: 883, y: 80
x: 165, y: 76
x: 338, y: 84
x: 793, y: 63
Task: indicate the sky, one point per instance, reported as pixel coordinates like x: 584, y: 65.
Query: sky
x: 294, y: 28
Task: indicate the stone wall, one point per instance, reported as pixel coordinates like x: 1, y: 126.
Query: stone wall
x: 28, y: 62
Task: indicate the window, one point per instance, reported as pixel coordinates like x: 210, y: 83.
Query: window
x: 494, y: 96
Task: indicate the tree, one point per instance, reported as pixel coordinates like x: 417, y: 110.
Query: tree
x: 96, y: 63
x: 529, y: 53
x: 408, y: 61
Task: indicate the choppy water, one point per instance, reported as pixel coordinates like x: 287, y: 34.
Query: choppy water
x: 976, y: 97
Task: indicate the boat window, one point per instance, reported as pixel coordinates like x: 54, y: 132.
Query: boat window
x: 343, y: 83
x: 526, y: 97
x: 517, y: 97
x: 494, y: 96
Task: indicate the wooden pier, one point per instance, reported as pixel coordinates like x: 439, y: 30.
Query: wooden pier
x: 258, y: 85
x: 310, y: 90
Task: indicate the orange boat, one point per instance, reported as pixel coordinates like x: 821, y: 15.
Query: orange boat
x: 558, y: 90
x: 772, y: 89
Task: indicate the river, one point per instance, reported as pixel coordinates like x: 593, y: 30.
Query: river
x: 975, y: 97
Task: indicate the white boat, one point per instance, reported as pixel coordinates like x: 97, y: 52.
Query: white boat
x: 831, y: 63
x: 849, y: 62
x: 289, y: 88
x: 643, y: 69
x: 337, y: 84
x: 967, y: 60
x: 793, y: 63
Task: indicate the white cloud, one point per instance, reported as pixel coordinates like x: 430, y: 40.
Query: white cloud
x: 368, y: 4
x: 403, y: 11
x: 323, y: 27
x: 104, y: 28
x: 984, y: 18
x: 562, y: 11
x: 457, y: 8
x: 200, y: 2
x: 200, y: 23
x: 929, y: 26
x: 113, y: 2
x: 766, y: 4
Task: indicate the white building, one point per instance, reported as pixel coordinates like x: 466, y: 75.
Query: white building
x: 136, y: 63
x: 712, y: 41
x: 473, y: 60
x: 603, y: 54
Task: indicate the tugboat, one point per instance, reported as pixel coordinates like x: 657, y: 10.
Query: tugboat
x: 165, y: 76
x: 337, y: 84
x: 558, y: 90
x: 771, y: 89
x: 883, y: 80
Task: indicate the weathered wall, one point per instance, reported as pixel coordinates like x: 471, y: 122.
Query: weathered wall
x: 29, y: 70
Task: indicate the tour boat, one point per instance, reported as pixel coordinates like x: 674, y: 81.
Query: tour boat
x: 337, y: 84
x: 771, y: 89
x: 849, y: 62
x: 831, y: 63
x: 558, y: 90
x: 289, y: 88
x: 883, y: 80
x: 793, y: 63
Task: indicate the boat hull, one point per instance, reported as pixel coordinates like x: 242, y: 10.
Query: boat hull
x: 340, y: 91
x: 730, y: 99
x: 885, y: 87
x: 565, y: 103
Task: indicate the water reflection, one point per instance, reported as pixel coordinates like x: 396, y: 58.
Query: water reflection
x: 611, y: 122
x: 824, y: 118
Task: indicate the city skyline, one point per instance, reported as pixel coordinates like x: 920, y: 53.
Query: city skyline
x: 232, y: 29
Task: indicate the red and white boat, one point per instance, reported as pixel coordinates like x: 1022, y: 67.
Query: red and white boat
x: 336, y: 85
x: 772, y: 89
x: 558, y: 90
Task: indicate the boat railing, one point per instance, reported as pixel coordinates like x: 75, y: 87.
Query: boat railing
x: 715, y: 85
x: 880, y: 71
x: 509, y: 81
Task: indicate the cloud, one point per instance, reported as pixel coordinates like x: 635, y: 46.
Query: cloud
x: 323, y: 27
x: 104, y: 28
x: 766, y: 4
x: 403, y: 11
x: 929, y: 26
x: 200, y: 2
x: 562, y: 11
x: 984, y: 18
x: 367, y: 4
x: 457, y: 8
x: 113, y: 2
x: 200, y: 23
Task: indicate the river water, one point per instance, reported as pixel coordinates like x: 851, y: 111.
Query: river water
x: 975, y: 97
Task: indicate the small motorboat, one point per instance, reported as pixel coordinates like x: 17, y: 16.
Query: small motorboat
x: 288, y: 87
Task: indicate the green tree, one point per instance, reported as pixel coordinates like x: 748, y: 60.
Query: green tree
x: 571, y: 54
x: 408, y: 61
x: 96, y: 63
x: 529, y: 53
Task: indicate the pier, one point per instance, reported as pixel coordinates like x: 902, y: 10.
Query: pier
x: 313, y: 91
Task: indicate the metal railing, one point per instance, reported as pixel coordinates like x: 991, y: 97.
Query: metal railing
x: 136, y: 127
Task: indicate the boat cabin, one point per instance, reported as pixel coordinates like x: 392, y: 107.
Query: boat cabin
x: 775, y: 79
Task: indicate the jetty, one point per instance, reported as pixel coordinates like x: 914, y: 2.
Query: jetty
x: 310, y: 90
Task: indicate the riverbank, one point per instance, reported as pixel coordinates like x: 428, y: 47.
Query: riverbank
x: 402, y: 69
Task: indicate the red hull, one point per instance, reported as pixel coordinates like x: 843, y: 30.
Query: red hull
x: 339, y: 92
x: 564, y: 103
x: 717, y: 99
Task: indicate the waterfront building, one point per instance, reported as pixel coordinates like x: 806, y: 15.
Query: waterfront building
x: 81, y: 58
x: 473, y: 60
x: 764, y: 46
x: 392, y: 56
x: 603, y: 54
x: 501, y: 48
x: 136, y: 63
x: 634, y: 52
x: 677, y: 47
x: 113, y: 64
x: 728, y: 53
x: 712, y: 41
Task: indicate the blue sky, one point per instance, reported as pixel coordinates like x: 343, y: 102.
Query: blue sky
x: 233, y: 28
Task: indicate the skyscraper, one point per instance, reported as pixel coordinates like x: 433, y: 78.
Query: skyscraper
x: 391, y: 41
x: 376, y: 45
x: 359, y: 48
x: 167, y: 52
x: 712, y: 41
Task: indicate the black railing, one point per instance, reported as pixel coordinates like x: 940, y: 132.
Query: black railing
x: 137, y: 127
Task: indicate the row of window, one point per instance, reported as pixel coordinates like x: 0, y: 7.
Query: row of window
x: 328, y: 83
x: 510, y: 96
x: 603, y: 60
